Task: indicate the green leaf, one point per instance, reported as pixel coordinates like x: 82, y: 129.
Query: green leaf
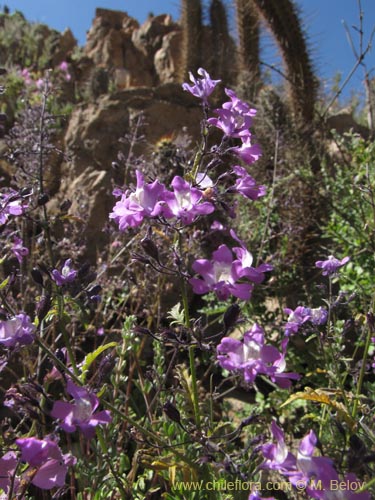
x: 177, y: 315
x: 91, y: 357
x: 4, y: 283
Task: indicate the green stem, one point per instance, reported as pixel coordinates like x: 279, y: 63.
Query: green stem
x: 194, y: 386
x: 103, y: 445
x: 191, y: 350
x: 60, y: 301
x: 362, y: 372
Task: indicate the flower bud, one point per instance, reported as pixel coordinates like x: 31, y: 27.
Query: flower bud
x: 43, y: 307
x: 37, y: 276
x: 171, y: 411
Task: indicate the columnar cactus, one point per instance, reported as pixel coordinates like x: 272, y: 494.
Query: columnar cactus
x: 192, y: 29
x: 221, y: 42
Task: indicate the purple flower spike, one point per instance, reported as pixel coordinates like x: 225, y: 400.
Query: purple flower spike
x: 203, y: 87
x: 81, y: 412
x: 185, y: 202
x: 67, y: 274
x: 17, y: 331
x: 133, y: 207
x: 247, y: 185
x: 331, y: 265
x: 46, y: 456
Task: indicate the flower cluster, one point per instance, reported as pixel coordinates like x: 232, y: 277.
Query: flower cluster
x: 81, y: 413
x: 18, y: 330
x: 184, y: 203
x: 252, y: 357
x: 301, y: 315
x: 307, y: 469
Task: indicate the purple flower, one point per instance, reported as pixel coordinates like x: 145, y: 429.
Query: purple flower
x: 331, y: 265
x: 63, y: 66
x: 220, y: 275
x: 19, y: 250
x: 225, y: 275
x: 277, y: 456
x: 185, y: 202
x: 252, y: 357
x: 301, y: 315
x: 296, y: 319
x: 67, y: 274
x: 307, y: 469
x: 46, y: 456
x: 249, y: 356
x: 135, y: 206
x: 8, y: 464
x: 247, y: 152
x: 11, y: 203
x: 17, y: 330
x: 203, y: 87
x: 319, y: 316
x: 81, y: 412
x: 235, y: 117
x: 247, y: 185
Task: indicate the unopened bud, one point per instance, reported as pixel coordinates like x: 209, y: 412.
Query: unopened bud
x: 37, y: 276
x: 171, y: 411
x: 43, y: 307
x: 231, y: 316
x: 43, y: 199
x: 150, y: 248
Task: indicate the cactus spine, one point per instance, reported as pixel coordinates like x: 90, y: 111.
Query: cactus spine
x: 192, y: 28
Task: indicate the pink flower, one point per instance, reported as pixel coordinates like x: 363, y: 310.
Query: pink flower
x: 63, y: 66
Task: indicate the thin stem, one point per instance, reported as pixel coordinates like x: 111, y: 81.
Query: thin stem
x: 103, y: 445
x: 362, y: 372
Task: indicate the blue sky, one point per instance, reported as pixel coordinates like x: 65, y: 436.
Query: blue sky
x: 323, y: 22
